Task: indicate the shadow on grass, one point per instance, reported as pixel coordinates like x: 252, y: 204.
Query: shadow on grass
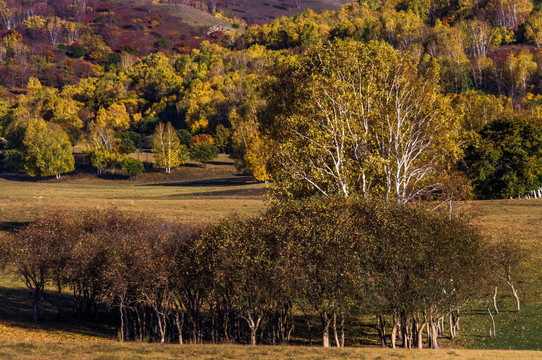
x: 221, y: 182
x: 227, y: 193
x: 16, y: 311
x: 12, y: 225
x: 16, y: 176
x: 223, y: 163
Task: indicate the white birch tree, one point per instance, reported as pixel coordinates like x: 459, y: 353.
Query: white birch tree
x: 359, y: 119
x: 166, y: 148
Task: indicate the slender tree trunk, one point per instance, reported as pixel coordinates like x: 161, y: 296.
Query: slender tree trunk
x: 514, y: 291
x: 433, y: 334
x: 404, y: 330
x: 420, y: 335
x: 335, y: 333
x: 495, y: 300
x: 326, y: 320
x: 309, y: 330
x: 451, y: 323
x: 138, y: 314
x: 394, y: 332
x: 456, y: 323
x: 179, y: 323
x: 34, y: 305
x: 342, y: 329
x: 59, y: 298
x: 493, y: 330
x: 381, y: 327
x: 121, y: 322
x: 253, y: 325
x: 160, y: 318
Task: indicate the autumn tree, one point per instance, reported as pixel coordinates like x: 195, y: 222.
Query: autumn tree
x: 479, y: 37
x: 242, y: 265
x: 166, y: 148
x: 518, y: 70
x: 222, y: 137
x: 48, y: 150
x: 533, y: 28
x: 202, y: 149
x: 359, y: 118
x: 100, y: 146
x: 509, y: 13
x: 115, y: 116
x: 39, y: 254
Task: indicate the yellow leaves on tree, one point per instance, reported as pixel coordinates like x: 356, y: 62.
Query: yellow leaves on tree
x: 533, y: 28
x: 48, y: 150
x: 201, y: 139
x: 249, y: 147
x: 166, y: 148
x: 358, y: 118
x: 115, y: 117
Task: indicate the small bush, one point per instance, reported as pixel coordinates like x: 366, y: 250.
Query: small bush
x: 132, y: 167
x: 127, y: 144
x: 163, y: 43
x: 130, y: 49
x: 76, y: 51
x: 203, y: 152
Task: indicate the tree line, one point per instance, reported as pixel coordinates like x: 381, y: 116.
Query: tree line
x: 257, y: 279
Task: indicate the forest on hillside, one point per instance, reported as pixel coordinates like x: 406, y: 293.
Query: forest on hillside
x: 465, y: 79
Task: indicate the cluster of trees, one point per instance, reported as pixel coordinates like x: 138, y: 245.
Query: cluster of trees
x: 41, y: 127
x: 254, y: 279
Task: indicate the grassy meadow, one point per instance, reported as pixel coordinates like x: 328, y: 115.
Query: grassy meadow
x: 520, y: 219
x: 195, y: 194
x: 190, y: 194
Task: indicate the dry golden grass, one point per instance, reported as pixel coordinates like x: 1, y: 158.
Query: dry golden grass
x: 192, y: 16
x: 115, y: 350
x: 191, y: 194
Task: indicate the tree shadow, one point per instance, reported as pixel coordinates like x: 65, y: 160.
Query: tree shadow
x: 228, y: 193
x: 238, y: 180
x: 12, y: 225
x: 16, y: 311
x: 223, y: 163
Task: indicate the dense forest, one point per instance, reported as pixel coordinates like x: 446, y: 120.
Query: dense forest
x: 254, y: 91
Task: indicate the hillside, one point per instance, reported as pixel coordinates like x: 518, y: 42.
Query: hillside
x: 259, y: 12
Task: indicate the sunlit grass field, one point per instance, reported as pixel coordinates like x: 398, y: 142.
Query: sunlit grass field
x: 190, y: 194
x: 195, y: 194
x: 519, y: 219
x: 106, y: 350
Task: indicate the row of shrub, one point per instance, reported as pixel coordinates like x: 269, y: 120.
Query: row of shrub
x: 243, y: 278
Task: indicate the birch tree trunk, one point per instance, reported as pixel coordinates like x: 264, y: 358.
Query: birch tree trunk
x: 326, y: 320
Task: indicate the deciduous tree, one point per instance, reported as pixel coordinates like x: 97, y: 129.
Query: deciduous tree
x: 358, y: 118
x: 48, y: 150
x: 166, y: 148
